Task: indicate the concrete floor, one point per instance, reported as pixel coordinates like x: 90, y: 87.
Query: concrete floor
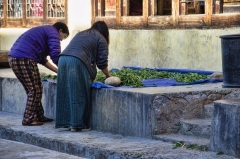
x: 17, y: 150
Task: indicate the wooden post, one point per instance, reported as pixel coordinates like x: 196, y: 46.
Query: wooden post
x: 118, y: 12
x: 208, y: 12
x: 125, y: 8
x: 45, y: 11
x: 66, y: 11
x: 175, y: 12
x: 24, y: 15
x: 94, y: 10
x: 152, y: 7
x: 5, y: 13
x: 145, y: 13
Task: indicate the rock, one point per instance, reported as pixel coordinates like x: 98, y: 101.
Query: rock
x: 217, y: 75
x: 113, y: 81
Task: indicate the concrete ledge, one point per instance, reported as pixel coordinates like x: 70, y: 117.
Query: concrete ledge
x: 226, y: 127
x: 140, y: 112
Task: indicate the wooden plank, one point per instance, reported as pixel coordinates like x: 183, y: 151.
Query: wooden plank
x: 118, y: 12
x: 125, y: 7
x: 145, y: 13
x: 208, y: 12
x: 66, y: 12
x: 175, y: 12
x: 5, y: 13
x: 45, y: 11
x: 24, y: 15
x: 152, y: 8
x: 94, y: 10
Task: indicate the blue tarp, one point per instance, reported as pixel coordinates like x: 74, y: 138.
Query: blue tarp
x: 162, y: 82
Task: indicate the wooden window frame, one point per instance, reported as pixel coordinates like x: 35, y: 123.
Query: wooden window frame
x: 28, y: 22
x: 149, y: 19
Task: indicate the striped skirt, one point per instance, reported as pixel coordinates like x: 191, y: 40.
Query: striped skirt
x: 73, y: 93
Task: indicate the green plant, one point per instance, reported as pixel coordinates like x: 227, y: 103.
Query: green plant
x: 48, y: 76
x: 178, y: 144
x: 131, y: 77
x: 189, y: 146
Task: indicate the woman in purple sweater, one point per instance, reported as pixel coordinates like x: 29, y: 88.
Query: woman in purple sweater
x: 31, y: 48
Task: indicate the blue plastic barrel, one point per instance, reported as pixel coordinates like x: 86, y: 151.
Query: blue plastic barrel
x: 230, y: 45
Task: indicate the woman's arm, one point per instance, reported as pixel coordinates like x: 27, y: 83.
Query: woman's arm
x: 106, y: 72
x: 51, y: 67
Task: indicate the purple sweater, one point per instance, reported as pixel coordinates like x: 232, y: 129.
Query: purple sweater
x: 37, y: 43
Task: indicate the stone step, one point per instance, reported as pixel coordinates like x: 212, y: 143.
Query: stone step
x: 94, y: 144
x: 196, y: 127
x: 208, y: 110
x: 188, y: 140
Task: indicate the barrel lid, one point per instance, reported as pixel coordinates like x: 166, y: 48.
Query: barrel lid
x: 231, y: 36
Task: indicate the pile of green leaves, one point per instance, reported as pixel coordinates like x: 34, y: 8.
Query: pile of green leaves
x: 131, y: 77
x: 48, y: 76
x: 181, y: 144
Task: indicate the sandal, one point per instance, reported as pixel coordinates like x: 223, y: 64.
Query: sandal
x: 46, y: 119
x: 34, y: 123
x: 80, y: 129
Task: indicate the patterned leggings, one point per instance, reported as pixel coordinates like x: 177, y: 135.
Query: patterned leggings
x: 28, y: 74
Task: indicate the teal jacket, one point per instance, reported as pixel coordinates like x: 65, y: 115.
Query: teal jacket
x: 90, y: 47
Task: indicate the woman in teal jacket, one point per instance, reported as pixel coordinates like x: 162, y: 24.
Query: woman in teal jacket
x: 77, y: 68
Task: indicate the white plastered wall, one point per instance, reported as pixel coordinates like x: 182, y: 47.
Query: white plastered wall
x: 188, y: 49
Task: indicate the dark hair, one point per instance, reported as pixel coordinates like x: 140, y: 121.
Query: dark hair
x: 102, y: 27
x: 63, y: 26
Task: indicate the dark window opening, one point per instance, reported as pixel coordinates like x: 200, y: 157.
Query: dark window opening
x: 164, y: 7
x: 192, y: 7
x: 135, y: 8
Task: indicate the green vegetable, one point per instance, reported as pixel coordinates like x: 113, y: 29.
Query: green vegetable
x: 131, y: 77
x: 49, y: 76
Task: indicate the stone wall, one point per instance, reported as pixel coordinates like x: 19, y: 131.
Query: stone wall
x: 141, y: 112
